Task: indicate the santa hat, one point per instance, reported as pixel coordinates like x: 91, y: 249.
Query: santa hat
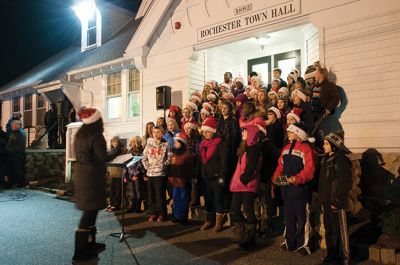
x: 229, y: 96
x: 297, y: 92
x: 181, y: 137
x: 239, y: 79
x: 191, y: 106
x: 191, y: 125
x: 207, y: 108
x: 276, y: 111
x: 295, y: 114
x: 174, y: 108
x: 273, y: 92
x: 196, y: 96
x: 210, y: 124
x: 253, y: 92
x: 89, y: 115
x: 210, y: 84
x: 284, y: 90
x: 310, y: 72
x: 226, y: 86
x: 212, y: 96
x: 299, y: 129
x: 294, y: 74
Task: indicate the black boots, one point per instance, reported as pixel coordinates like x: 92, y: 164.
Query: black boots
x: 84, y: 250
x: 249, y: 240
x: 238, y: 232
x: 100, y: 247
x: 86, y: 247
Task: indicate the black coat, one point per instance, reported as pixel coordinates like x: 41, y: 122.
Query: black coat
x: 229, y: 131
x: 335, y: 180
x: 216, y: 166
x: 307, y: 116
x: 90, y: 172
x: 276, y: 134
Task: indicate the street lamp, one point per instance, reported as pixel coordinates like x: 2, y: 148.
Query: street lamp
x: 85, y: 9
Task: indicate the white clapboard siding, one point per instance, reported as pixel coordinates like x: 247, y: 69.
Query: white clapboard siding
x: 365, y: 56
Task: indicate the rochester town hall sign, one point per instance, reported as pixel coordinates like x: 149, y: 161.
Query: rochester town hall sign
x: 250, y: 20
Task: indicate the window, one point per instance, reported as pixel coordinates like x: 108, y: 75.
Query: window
x: 16, y: 107
x: 287, y: 61
x: 28, y: 110
x: 40, y: 109
x: 134, y: 93
x: 91, y: 32
x: 114, y: 99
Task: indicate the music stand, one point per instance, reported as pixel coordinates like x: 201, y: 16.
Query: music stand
x: 118, y: 162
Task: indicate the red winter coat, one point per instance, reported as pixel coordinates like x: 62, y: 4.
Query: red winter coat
x: 247, y: 174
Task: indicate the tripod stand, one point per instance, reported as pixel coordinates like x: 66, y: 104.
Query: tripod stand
x: 123, y: 235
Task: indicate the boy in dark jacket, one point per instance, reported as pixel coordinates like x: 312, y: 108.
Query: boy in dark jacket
x: 16, y: 154
x: 275, y: 130
x: 179, y: 175
x: 334, y: 185
x: 294, y: 172
x: 212, y: 168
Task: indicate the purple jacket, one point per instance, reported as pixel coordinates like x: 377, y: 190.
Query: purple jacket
x: 247, y: 174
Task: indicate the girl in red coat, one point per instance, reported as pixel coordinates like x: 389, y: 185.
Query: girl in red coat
x: 245, y: 184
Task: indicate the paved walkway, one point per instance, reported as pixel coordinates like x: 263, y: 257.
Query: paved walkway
x: 37, y: 228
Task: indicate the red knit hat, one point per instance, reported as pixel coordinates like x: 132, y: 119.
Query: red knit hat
x: 181, y: 137
x: 174, y: 108
x: 210, y: 124
x: 89, y: 115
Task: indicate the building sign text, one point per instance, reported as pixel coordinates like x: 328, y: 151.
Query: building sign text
x: 257, y: 18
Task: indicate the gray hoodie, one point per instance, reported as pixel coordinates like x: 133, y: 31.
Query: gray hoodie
x: 156, y: 158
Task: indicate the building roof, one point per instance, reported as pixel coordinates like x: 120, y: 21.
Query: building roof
x: 71, y: 58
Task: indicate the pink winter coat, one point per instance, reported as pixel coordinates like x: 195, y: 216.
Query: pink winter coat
x: 247, y: 174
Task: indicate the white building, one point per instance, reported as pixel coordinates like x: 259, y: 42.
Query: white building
x: 183, y: 44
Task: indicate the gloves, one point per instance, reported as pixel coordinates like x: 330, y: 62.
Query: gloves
x: 281, y: 181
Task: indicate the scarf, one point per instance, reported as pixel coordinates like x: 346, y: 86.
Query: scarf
x: 207, y: 149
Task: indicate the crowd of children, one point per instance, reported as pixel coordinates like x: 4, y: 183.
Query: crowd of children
x: 240, y: 141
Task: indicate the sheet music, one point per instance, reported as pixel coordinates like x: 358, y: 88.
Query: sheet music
x: 121, y: 159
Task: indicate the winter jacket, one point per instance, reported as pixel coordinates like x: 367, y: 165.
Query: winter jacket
x: 335, y: 180
x: 90, y: 172
x: 228, y: 129
x: 181, y: 168
x: 276, y: 134
x: 216, y: 166
x: 169, y: 137
x: 156, y: 158
x: 329, y: 96
x: 247, y: 174
x: 307, y: 116
x: 297, y: 159
x: 270, y: 156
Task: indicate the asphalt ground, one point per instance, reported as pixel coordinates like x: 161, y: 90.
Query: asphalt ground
x: 38, y: 228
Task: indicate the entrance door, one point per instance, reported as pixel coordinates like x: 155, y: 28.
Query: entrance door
x: 286, y: 61
x: 262, y: 66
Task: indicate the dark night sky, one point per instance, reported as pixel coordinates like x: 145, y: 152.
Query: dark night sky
x: 33, y: 30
